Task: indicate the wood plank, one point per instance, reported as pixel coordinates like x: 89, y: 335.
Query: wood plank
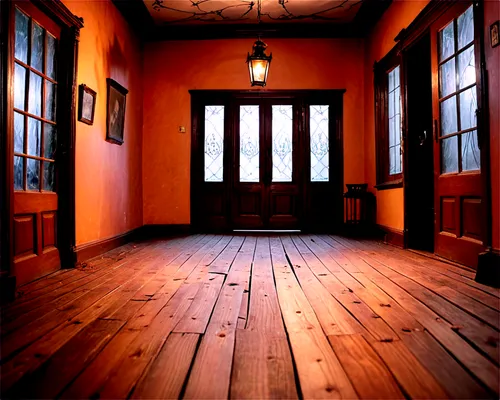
x: 223, y: 262
x: 262, y: 367
x: 479, y: 366
x: 30, y: 358
x: 415, y: 380
x: 211, y: 372
x: 165, y: 379
x: 319, y: 370
x: 195, y: 320
x: 117, y: 369
x: 457, y: 382
x: 146, y: 345
x: 362, y: 312
x: 483, y: 336
x: 369, y: 375
x: 59, y: 370
x: 264, y: 313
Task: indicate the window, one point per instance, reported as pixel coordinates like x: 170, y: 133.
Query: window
x: 388, y: 122
x: 319, y: 137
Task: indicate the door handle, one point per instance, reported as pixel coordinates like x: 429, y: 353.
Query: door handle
x: 422, y: 138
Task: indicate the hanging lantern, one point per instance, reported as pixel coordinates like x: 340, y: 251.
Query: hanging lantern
x: 258, y: 64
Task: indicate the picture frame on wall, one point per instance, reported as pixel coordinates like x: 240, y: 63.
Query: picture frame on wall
x: 495, y: 34
x: 86, y: 104
x: 115, y: 112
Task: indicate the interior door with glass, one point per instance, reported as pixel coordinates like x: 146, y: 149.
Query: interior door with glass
x: 34, y: 126
x: 265, y: 191
x: 459, y: 193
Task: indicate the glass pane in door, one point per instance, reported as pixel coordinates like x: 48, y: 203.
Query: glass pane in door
x: 319, y: 137
x: 282, y: 143
x: 35, y: 87
x: 249, y: 144
x: 214, y: 143
x: 458, y: 96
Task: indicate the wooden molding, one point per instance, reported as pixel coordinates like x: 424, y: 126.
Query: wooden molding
x: 488, y: 268
x: 394, y: 237
x: 93, y: 249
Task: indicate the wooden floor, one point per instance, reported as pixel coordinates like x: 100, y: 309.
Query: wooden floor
x: 215, y: 316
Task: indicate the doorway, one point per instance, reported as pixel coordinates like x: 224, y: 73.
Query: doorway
x: 266, y: 160
x: 419, y: 177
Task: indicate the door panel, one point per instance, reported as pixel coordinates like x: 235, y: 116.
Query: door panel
x: 36, y: 39
x: 459, y: 190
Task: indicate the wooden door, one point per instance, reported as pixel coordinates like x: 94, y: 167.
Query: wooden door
x: 34, y: 127
x: 267, y: 160
x: 266, y: 173
x: 459, y: 191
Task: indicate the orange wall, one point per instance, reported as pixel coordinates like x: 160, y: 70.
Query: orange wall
x: 492, y: 14
x: 172, y: 68
x: 108, y: 177
x: 390, y: 203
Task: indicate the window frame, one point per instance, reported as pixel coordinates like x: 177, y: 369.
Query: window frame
x: 381, y: 88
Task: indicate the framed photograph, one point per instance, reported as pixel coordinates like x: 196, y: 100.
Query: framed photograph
x: 115, y: 115
x: 494, y: 28
x: 86, y: 104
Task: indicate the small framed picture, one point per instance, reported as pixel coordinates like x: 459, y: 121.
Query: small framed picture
x: 86, y: 104
x: 495, y: 40
x: 115, y: 116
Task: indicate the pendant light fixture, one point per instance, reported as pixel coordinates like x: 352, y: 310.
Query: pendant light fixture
x: 258, y: 62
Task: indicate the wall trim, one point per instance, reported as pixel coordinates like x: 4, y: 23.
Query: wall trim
x: 86, y: 251
x: 488, y: 268
x: 394, y: 237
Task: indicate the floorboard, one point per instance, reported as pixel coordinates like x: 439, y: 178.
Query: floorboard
x: 247, y: 317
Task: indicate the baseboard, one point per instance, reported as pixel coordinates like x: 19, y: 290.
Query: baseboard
x: 93, y: 249
x: 488, y: 268
x: 392, y: 236
x: 153, y: 231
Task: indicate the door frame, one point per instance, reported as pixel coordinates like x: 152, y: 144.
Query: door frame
x: 405, y: 39
x: 67, y: 73
x: 225, y: 96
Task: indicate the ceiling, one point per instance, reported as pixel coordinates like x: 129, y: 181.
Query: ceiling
x: 167, y: 12
x: 156, y: 20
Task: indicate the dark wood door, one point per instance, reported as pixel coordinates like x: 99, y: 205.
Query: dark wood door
x: 33, y: 112
x: 459, y: 190
x: 266, y: 177
x: 266, y: 160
